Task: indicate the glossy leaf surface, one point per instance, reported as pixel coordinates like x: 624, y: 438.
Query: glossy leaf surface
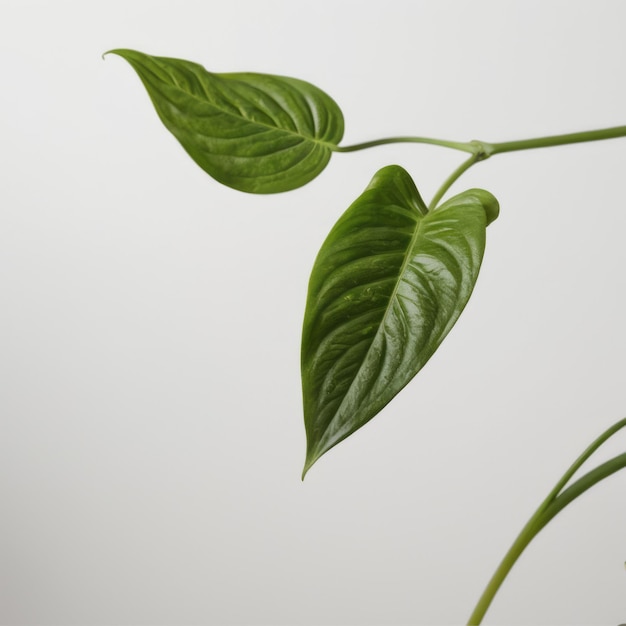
x: 387, y: 286
x: 254, y: 132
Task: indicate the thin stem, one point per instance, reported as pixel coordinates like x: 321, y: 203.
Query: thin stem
x: 520, y: 543
x: 607, y: 434
x: 581, y: 485
x: 481, y: 150
x: 456, y: 145
x: 557, y: 140
x: 452, y: 179
x: 556, y: 501
x: 487, y: 149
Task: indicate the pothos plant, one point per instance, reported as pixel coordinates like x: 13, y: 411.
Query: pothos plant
x: 394, y: 273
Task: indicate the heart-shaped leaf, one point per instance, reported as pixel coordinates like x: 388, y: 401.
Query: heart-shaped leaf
x: 253, y: 132
x: 387, y: 286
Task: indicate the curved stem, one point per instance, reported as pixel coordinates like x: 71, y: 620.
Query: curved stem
x: 581, y: 485
x: 556, y: 501
x: 577, y: 464
x: 456, y: 145
x: 452, y: 179
x: 481, y: 150
x: 487, y: 149
x: 519, y: 545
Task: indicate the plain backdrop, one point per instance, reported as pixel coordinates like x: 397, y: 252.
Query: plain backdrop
x: 151, y: 436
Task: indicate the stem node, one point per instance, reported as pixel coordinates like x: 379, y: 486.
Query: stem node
x: 481, y: 149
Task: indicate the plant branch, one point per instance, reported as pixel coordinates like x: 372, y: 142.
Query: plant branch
x: 452, y: 179
x: 556, y: 501
x: 481, y: 150
x: 584, y: 483
x: 456, y: 145
x: 557, y: 140
x: 487, y: 149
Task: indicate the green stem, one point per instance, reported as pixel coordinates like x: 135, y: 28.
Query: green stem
x: 452, y: 179
x: 556, y: 501
x: 487, y: 149
x: 481, y: 150
x: 583, y: 484
x: 578, y: 463
x: 456, y: 145
x: 557, y: 140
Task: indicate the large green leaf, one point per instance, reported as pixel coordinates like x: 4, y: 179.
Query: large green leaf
x: 387, y: 286
x: 254, y: 132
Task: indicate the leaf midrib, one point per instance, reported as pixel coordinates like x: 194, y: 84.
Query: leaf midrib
x: 388, y: 308
x: 330, y: 146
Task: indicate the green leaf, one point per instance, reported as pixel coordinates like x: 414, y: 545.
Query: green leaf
x: 253, y: 132
x: 387, y: 286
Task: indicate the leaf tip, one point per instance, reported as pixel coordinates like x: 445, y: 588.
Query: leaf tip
x: 122, y: 52
x: 112, y: 51
x: 310, y: 460
x: 313, y: 454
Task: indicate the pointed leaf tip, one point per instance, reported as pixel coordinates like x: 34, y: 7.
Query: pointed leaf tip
x: 387, y: 286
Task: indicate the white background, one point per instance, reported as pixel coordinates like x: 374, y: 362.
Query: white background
x: 151, y: 438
